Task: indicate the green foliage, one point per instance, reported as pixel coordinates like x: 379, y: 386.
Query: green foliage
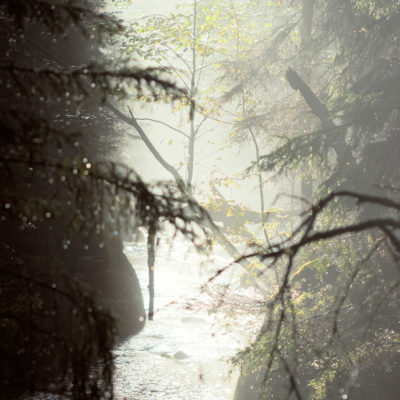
x: 337, y: 273
x: 67, y: 291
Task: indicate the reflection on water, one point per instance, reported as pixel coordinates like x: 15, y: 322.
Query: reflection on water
x: 184, y: 352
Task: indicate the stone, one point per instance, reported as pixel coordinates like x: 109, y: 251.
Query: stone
x: 180, y: 355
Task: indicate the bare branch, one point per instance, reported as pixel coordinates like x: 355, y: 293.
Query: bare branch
x: 165, y: 124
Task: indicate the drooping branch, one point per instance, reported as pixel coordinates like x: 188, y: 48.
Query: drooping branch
x: 307, y: 236
x: 59, y: 16
x: 133, y: 122
x: 84, y: 79
x: 289, y: 247
x: 163, y: 123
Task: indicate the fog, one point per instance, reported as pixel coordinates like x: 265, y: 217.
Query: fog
x: 214, y: 151
x: 200, y: 199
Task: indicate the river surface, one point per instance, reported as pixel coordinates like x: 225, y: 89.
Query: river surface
x: 184, y: 353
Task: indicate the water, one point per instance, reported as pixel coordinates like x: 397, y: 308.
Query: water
x: 184, y: 353
x: 148, y: 365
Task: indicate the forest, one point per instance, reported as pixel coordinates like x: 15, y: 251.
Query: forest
x: 262, y: 134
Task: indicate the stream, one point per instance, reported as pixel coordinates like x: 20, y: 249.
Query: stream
x: 184, y: 352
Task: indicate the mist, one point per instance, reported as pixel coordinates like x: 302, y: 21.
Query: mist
x: 200, y: 199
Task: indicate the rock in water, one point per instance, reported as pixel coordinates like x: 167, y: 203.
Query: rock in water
x: 180, y: 355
